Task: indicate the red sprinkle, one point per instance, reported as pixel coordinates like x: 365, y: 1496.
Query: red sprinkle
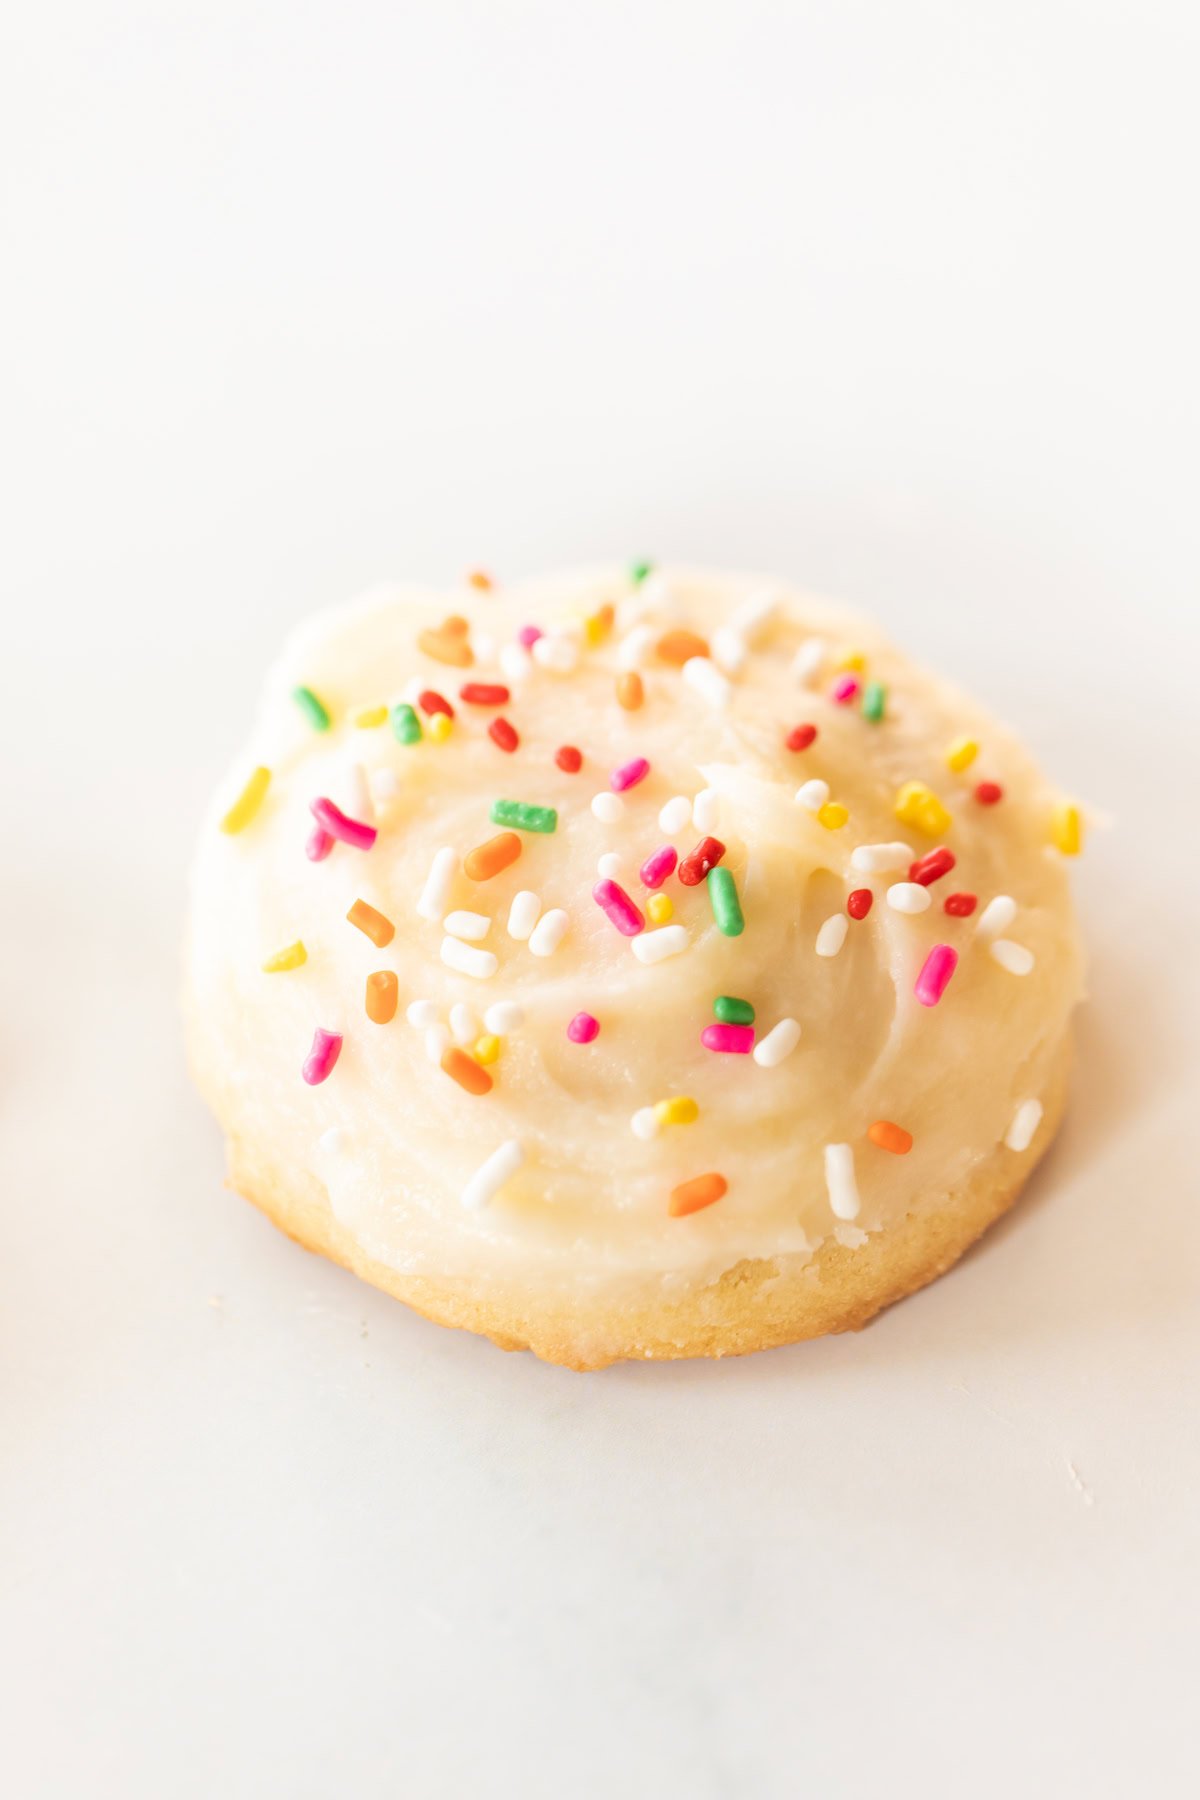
x: 988, y: 792
x: 859, y: 903
x: 705, y: 856
x: 960, y: 906
x: 800, y: 737
x: 930, y: 868
x: 502, y: 733
x: 569, y: 758
x: 430, y: 702
x: 483, y: 693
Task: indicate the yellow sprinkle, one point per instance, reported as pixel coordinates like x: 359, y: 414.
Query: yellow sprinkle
x: 370, y: 717
x: 853, y: 660
x: 1066, y: 828
x: 486, y: 1049
x: 961, y: 754
x: 660, y: 908
x: 289, y: 958
x: 833, y: 815
x: 439, y: 727
x: 681, y: 1110
x: 247, y: 802
x: 919, y: 806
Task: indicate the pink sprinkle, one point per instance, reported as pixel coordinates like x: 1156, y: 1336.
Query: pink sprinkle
x: 629, y: 774
x: 935, y: 974
x: 332, y: 819
x: 658, y: 866
x: 319, y: 845
x: 844, y: 689
x: 615, y: 903
x: 529, y: 635
x: 318, y: 1064
x: 583, y: 1028
x: 735, y: 1040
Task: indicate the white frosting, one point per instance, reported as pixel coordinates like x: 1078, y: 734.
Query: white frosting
x: 583, y: 1202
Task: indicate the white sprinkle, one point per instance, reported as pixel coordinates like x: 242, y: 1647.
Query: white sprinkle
x: 674, y: 816
x: 464, y: 1026
x: 470, y: 925
x: 839, y: 1180
x: 874, y: 859
x: 435, y: 895
x: 832, y: 934
x: 1013, y: 957
x: 549, y: 932
x: 1023, y: 1129
x: 704, y: 678
x: 997, y: 915
x: 813, y: 795
x: 608, y: 808
x: 503, y: 1017
x: 422, y: 1013
x: 654, y: 946
x: 755, y: 612
x: 645, y: 1123
x: 333, y: 1141
x: 491, y: 1175
x: 634, y: 647
x: 808, y: 659
x: 729, y: 650
x: 706, y: 810
x: 437, y: 1042
x: 523, y: 915
x: 610, y: 867
x: 413, y: 690
x: 480, y: 964
x: 556, y: 651
x: 909, y: 897
x: 515, y: 662
x: 356, y: 794
x: 484, y: 646
x: 779, y: 1042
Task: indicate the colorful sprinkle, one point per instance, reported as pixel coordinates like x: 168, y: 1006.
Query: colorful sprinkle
x: 523, y: 817
x: 931, y: 867
x: 489, y: 859
x: 779, y: 1043
x: 247, y: 802
x: 660, y: 908
x: 1023, y: 1129
x: 890, y: 1137
x: 1013, y: 957
x: 372, y: 923
x: 692, y: 1196
x: 988, y: 793
x: 549, y: 932
x: 680, y: 1109
x: 491, y: 1175
x: 631, y: 690
x: 319, y: 1063
x: 462, y: 1068
x: 1066, y: 829
x: 874, y: 701
x: 726, y: 907
x: 833, y: 815
x: 618, y: 908
x: 832, y: 935
x: 569, y: 759
x: 503, y: 734
x: 313, y: 709
x: 919, y: 806
x: 439, y: 728
x: 318, y: 844
x: 370, y: 718
x: 584, y: 1028
x: 629, y: 774
x: 700, y: 861
x: 729, y: 1010
x: 840, y: 1182
x: 729, y: 1040
x: 655, y: 946
x: 660, y: 864
x: 844, y: 689
x: 431, y: 702
x: 484, y: 693
x: 481, y: 965
x: 935, y: 974
x: 487, y: 1048
x: 961, y: 754
x: 473, y: 927
x: 383, y: 994
x: 859, y: 903
x: 332, y: 819
x: 638, y: 572
x: 800, y: 737
x: 406, y: 727
x: 289, y: 958
x: 960, y: 906
x: 678, y: 647
x: 446, y: 646
x: 523, y: 915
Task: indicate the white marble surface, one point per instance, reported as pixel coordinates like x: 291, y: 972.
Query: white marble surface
x: 900, y: 300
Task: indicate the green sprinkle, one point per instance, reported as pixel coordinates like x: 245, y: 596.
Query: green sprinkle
x: 313, y: 710
x: 638, y: 572
x: 731, y: 1011
x: 406, y: 727
x: 723, y: 898
x: 516, y: 814
x: 874, y: 696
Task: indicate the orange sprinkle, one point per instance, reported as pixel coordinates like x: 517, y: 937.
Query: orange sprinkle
x: 692, y: 1196
x: 459, y: 1066
x: 891, y: 1137
x: 630, y: 691
x: 488, y: 859
x: 455, y: 625
x: 447, y: 647
x: 479, y: 578
x: 382, y: 993
x: 679, y: 647
x: 381, y: 931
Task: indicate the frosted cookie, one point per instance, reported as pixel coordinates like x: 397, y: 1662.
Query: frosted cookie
x: 643, y: 964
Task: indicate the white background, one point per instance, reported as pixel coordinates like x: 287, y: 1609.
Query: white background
x: 898, y: 299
